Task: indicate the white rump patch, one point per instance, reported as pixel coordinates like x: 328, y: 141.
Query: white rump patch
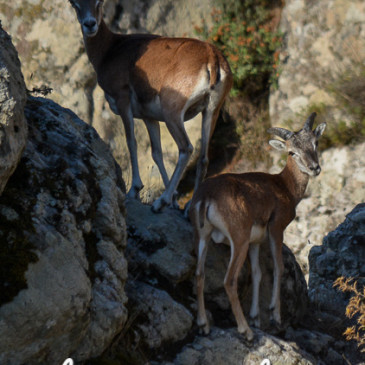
x: 258, y: 233
x: 201, y: 89
x: 218, y: 237
x: 220, y: 233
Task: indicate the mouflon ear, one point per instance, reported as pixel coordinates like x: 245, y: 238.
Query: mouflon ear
x: 278, y: 145
x: 308, y: 125
x: 319, y: 130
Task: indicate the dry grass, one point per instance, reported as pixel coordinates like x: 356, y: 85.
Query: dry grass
x: 354, y: 310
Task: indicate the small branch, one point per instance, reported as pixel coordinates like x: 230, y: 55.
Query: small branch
x: 43, y: 90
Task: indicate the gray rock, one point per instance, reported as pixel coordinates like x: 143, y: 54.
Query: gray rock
x: 316, y: 343
x: 226, y: 347
x: 159, y: 242
x: 13, y: 127
x: 165, y: 17
x: 62, y: 230
x: 159, y: 318
x: 341, y: 254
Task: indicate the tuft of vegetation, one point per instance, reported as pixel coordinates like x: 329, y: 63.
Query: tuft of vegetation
x: 242, y: 30
x: 354, y: 310
x: 254, y: 146
x: 348, y: 90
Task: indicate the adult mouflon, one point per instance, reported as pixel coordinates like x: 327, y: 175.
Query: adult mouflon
x: 156, y: 79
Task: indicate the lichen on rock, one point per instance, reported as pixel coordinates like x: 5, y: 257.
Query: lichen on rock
x: 62, y: 213
x: 13, y: 127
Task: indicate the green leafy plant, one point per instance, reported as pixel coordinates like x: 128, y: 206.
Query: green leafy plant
x: 355, y: 309
x: 243, y: 32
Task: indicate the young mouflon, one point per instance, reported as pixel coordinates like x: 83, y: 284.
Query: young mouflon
x: 250, y: 209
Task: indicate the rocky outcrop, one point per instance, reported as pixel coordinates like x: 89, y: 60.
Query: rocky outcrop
x: 62, y: 229
x: 165, y: 320
x: 166, y: 17
x: 325, y: 348
x: 225, y: 347
x: 341, y: 254
x: 62, y: 234
x: 322, y: 40
x: 162, y: 299
x: 13, y: 127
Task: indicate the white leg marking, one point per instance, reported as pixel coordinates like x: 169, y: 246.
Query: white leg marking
x: 202, y: 320
x: 278, y: 271
x: 254, y: 251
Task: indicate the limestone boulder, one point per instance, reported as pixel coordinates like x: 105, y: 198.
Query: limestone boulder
x: 160, y: 319
x: 13, y: 126
x: 62, y: 234
x: 225, y: 347
x: 322, y: 40
x: 165, y: 17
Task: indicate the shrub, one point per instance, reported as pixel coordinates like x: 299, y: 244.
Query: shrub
x: 243, y: 32
x: 355, y: 309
